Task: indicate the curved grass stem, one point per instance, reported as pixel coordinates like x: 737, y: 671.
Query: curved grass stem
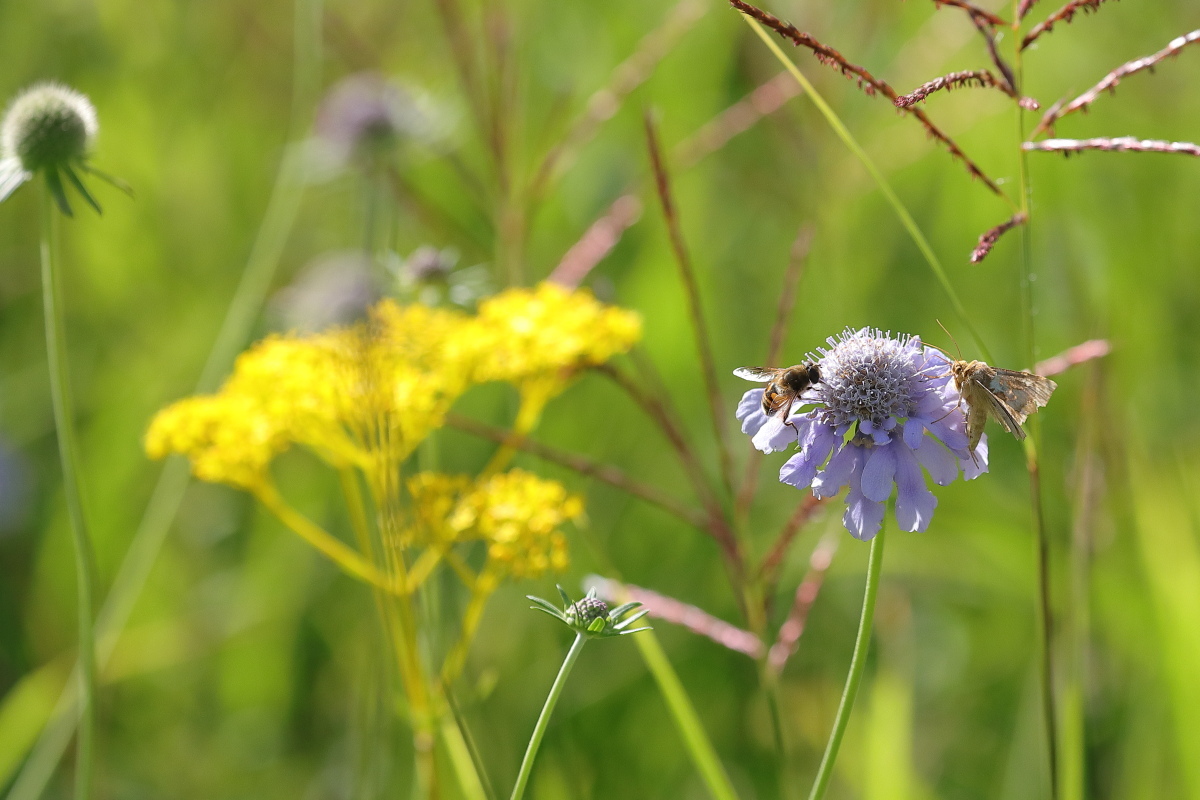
x: 68, y: 453
x: 539, y: 729
x: 889, y: 194
x: 858, y: 663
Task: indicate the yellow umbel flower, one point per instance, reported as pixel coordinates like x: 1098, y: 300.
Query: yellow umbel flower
x: 540, y: 338
x: 229, y: 439
x: 364, y: 395
x: 519, y: 515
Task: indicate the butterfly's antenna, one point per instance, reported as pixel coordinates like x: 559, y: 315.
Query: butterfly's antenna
x: 951, y: 335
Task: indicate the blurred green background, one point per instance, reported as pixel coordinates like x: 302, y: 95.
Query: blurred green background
x: 248, y: 668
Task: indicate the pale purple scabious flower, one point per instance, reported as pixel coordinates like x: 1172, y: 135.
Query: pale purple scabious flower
x: 885, y: 408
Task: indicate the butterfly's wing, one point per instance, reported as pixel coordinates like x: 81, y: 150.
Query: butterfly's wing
x: 980, y: 405
x: 1023, y: 392
x: 757, y: 374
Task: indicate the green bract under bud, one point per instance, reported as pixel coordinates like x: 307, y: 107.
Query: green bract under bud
x: 591, y: 616
x: 48, y: 126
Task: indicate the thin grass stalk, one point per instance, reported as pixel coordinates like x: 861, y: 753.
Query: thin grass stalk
x: 870, y: 86
x: 699, y: 747
x: 173, y: 479
x: 768, y: 571
x: 858, y: 663
x: 68, y: 455
x: 539, y: 729
x: 975, y: 11
x: 662, y: 181
x: 1032, y: 445
x: 788, y: 639
x: 889, y: 194
x: 463, y: 733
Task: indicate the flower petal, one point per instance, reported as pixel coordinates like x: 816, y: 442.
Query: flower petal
x: 914, y: 433
x: 973, y: 469
x: 750, y: 412
x: 837, y: 473
x: 816, y: 443
x: 863, y: 517
x: 774, y: 435
x: 939, y: 460
x: 914, y: 502
x: 878, y: 473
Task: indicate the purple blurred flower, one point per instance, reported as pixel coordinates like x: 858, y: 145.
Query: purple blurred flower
x: 364, y: 118
x: 885, y: 408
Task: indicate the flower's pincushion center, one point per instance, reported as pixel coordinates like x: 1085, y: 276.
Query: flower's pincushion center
x: 867, y: 378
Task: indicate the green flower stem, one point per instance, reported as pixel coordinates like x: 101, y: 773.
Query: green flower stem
x: 858, y: 663
x: 68, y: 453
x: 885, y: 188
x: 694, y: 738
x: 539, y: 730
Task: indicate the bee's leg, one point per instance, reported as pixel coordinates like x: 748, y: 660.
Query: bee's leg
x: 787, y: 412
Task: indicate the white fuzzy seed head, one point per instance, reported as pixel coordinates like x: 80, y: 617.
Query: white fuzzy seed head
x: 48, y: 125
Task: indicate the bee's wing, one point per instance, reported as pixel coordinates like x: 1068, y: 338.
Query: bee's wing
x: 757, y: 374
x: 1022, y: 392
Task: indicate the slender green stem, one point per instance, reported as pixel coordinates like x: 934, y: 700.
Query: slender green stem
x: 858, y: 663
x: 539, y: 730
x: 686, y: 720
x: 68, y: 453
x: 906, y: 219
x: 1033, y: 446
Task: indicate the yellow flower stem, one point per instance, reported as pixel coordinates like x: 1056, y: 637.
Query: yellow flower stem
x: 528, y: 415
x: 422, y: 568
x: 68, y: 452
x: 454, y: 560
x: 481, y: 592
x: 357, y: 510
x: 349, y: 561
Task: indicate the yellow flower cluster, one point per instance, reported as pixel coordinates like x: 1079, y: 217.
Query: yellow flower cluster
x: 539, y: 339
x: 517, y: 513
x: 366, y: 395
x: 355, y: 395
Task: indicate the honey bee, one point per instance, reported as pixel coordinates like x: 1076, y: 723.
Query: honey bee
x: 784, y: 385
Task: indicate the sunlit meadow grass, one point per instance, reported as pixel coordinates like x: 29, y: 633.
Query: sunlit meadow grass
x: 389, y: 211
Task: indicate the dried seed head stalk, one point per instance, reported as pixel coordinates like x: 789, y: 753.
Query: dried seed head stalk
x: 1064, y: 14
x: 597, y: 242
x: 988, y: 240
x: 738, y: 118
x: 975, y: 11
x: 1119, y: 143
x: 866, y: 81
x: 824, y: 53
x: 1110, y: 81
x: 974, y: 77
x: 1024, y: 8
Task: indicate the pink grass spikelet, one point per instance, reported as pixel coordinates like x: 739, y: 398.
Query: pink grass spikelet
x: 1079, y: 354
x: 1064, y: 14
x: 679, y: 613
x: 1110, y: 81
x: 988, y: 240
x: 1119, y: 144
